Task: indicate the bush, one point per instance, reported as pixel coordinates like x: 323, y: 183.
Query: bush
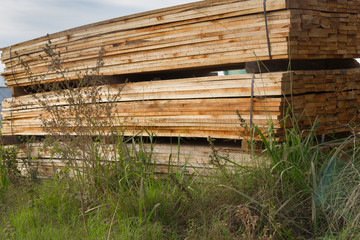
x: 8, y: 166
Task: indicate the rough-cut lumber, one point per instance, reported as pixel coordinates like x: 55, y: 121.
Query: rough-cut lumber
x: 266, y: 84
x: 217, y: 106
x: 188, y: 118
x: 168, y: 157
x: 201, y: 34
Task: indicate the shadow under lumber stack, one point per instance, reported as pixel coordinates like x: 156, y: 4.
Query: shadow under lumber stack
x: 299, y: 56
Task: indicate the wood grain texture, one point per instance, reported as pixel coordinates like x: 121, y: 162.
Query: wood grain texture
x: 195, y: 157
x: 204, y: 34
x: 217, y: 106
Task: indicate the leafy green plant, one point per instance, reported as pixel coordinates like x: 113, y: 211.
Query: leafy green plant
x: 8, y: 166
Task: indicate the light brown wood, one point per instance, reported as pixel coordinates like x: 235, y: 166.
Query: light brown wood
x: 194, y: 157
x: 216, y: 106
x: 203, y: 34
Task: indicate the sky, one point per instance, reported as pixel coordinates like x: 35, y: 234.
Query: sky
x: 22, y: 20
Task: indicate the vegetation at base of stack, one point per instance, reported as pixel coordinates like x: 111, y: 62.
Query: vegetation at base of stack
x: 306, y: 190
x: 303, y: 190
x: 8, y: 166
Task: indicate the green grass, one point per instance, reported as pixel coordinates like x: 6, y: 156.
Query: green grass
x: 306, y: 190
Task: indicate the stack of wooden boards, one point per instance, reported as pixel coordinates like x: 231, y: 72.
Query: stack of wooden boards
x: 198, y: 37
x: 202, y: 34
x: 168, y: 157
x: 217, y: 106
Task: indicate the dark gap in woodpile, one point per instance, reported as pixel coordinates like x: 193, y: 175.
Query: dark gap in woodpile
x: 292, y: 65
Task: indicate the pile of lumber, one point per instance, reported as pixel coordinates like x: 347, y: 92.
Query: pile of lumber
x: 217, y: 106
x: 194, y: 158
x: 204, y: 34
x: 185, y: 45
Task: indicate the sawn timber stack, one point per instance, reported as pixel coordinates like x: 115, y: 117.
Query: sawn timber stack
x: 218, y: 106
x: 203, y: 34
x: 167, y: 157
x: 176, y: 44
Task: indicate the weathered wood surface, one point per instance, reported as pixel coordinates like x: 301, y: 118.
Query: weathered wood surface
x: 201, y: 34
x: 195, y: 107
x: 195, y: 157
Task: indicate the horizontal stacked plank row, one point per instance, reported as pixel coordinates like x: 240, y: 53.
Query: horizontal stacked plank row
x: 195, y: 158
x: 202, y: 34
x: 265, y: 84
x: 218, y: 106
x: 194, y: 107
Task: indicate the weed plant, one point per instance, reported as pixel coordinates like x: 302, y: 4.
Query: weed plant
x: 306, y: 190
x: 8, y: 166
